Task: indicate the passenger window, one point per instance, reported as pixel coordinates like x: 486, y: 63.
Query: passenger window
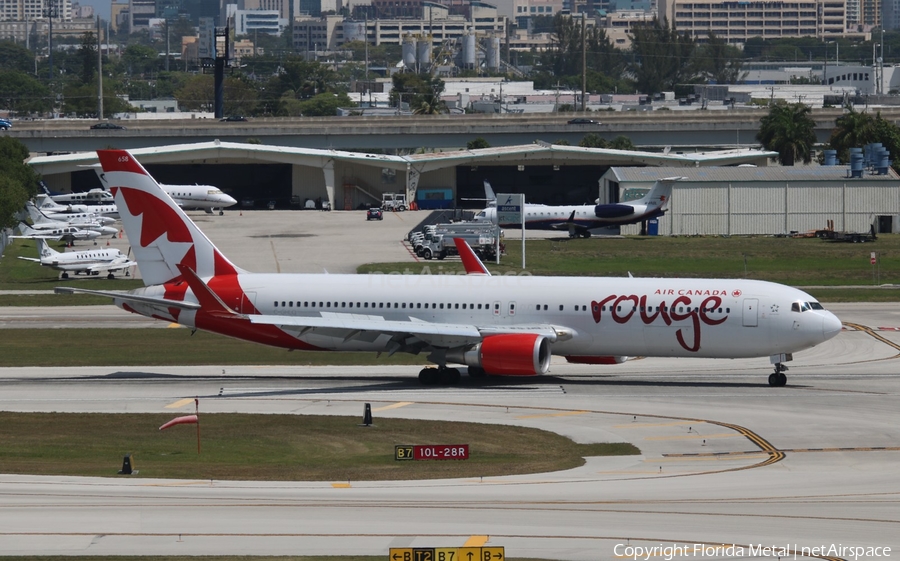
x: 381, y: 305
x: 290, y: 304
x: 539, y: 307
x: 419, y: 305
x: 327, y: 304
x: 442, y: 306
x: 366, y: 305
x: 457, y: 306
x: 276, y: 304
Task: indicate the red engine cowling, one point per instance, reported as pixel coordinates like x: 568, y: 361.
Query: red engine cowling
x: 596, y: 359
x: 515, y: 354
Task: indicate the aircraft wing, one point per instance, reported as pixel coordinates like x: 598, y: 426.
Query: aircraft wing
x: 571, y: 227
x: 111, y: 266
x: 367, y: 327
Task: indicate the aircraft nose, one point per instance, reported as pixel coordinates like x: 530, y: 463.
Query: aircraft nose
x: 831, y: 325
x: 229, y: 200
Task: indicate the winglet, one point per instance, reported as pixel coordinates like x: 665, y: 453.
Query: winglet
x: 471, y: 262
x: 209, y: 301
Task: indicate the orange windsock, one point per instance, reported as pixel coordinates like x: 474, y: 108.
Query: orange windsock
x: 186, y: 420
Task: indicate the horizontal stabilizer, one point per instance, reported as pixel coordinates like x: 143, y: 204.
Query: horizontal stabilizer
x: 128, y: 297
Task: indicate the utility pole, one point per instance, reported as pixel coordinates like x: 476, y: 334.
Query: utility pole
x: 583, y: 60
x: 99, y: 72
x: 50, y: 13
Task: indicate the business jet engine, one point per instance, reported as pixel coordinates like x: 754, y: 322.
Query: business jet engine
x: 512, y: 354
x: 613, y: 211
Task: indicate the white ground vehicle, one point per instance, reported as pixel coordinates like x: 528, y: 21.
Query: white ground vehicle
x: 393, y: 202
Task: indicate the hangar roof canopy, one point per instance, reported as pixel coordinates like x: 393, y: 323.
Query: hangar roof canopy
x: 777, y: 174
x: 233, y: 152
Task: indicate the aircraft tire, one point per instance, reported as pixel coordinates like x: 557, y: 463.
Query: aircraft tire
x: 448, y: 376
x: 782, y: 379
x: 773, y: 380
x: 110, y: 276
x: 429, y: 376
x: 476, y: 372
x: 65, y: 275
x: 586, y: 235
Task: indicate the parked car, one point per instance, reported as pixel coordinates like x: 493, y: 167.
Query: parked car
x: 583, y: 121
x: 374, y: 214
x: 234, y: 119
x: 107, y: 126
x: 5, y: 124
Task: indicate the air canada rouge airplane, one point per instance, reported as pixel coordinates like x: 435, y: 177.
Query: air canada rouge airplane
x: 495, y: 325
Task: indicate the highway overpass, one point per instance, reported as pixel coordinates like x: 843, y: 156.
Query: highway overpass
x: 681, y: 130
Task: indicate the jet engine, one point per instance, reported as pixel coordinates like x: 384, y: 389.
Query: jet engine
x: 613, y: 211
x: 513, y: 354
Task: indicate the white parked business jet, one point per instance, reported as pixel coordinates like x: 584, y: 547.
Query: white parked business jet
x: 78, y: 220
x: 579, y: 220
x: 500, y: 325
x: 67, y: 233
x: 90, y: 262
x: 203, y: 197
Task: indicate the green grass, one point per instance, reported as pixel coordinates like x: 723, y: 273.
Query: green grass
x: 276, y: 447
x: 142, y: 347
x: 796, y: 262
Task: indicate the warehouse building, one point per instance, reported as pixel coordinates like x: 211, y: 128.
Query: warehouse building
x: 762, y: 200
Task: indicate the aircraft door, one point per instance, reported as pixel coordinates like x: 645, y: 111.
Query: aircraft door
x: 750, y: 312
x: 248, y: 303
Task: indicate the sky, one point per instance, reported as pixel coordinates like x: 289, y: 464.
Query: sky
x: 101, y: 7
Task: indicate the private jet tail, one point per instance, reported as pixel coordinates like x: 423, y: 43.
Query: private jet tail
x: 35, y: 213
x: 44, y: 249
x: 489, y: 194
x: 165, y: 241
x: 660, y: 194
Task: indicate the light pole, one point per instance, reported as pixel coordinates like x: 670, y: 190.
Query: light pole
x: 50, y: 13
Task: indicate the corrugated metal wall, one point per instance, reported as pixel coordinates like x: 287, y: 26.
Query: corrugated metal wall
x: 774, y: 208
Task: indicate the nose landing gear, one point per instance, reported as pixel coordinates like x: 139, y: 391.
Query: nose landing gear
x: 778, y: 378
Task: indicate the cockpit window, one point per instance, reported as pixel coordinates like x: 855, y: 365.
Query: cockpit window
x: 804, y: 306
x: 481, y: 214
x: 816, y: 306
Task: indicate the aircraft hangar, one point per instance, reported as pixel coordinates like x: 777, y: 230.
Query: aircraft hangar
x: 765, y: 201
x: 256, y: 174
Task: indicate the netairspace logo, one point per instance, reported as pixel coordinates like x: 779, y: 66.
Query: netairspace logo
x: 670, y: 552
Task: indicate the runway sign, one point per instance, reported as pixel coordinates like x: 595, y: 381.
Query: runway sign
x: 447, y: 554
x: 431, y: 452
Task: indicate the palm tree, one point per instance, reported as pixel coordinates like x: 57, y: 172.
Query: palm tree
x: 851, y: 130
x: 789, y: 130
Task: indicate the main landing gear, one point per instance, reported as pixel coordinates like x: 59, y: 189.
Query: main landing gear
x: 439, y: 376
x: 778, y: 379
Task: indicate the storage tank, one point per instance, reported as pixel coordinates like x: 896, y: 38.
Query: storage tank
x: 423, y: 51
x: 409, y: 52
x: 492, y: 58
x: 469, y: 53
x: 355, y: 30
